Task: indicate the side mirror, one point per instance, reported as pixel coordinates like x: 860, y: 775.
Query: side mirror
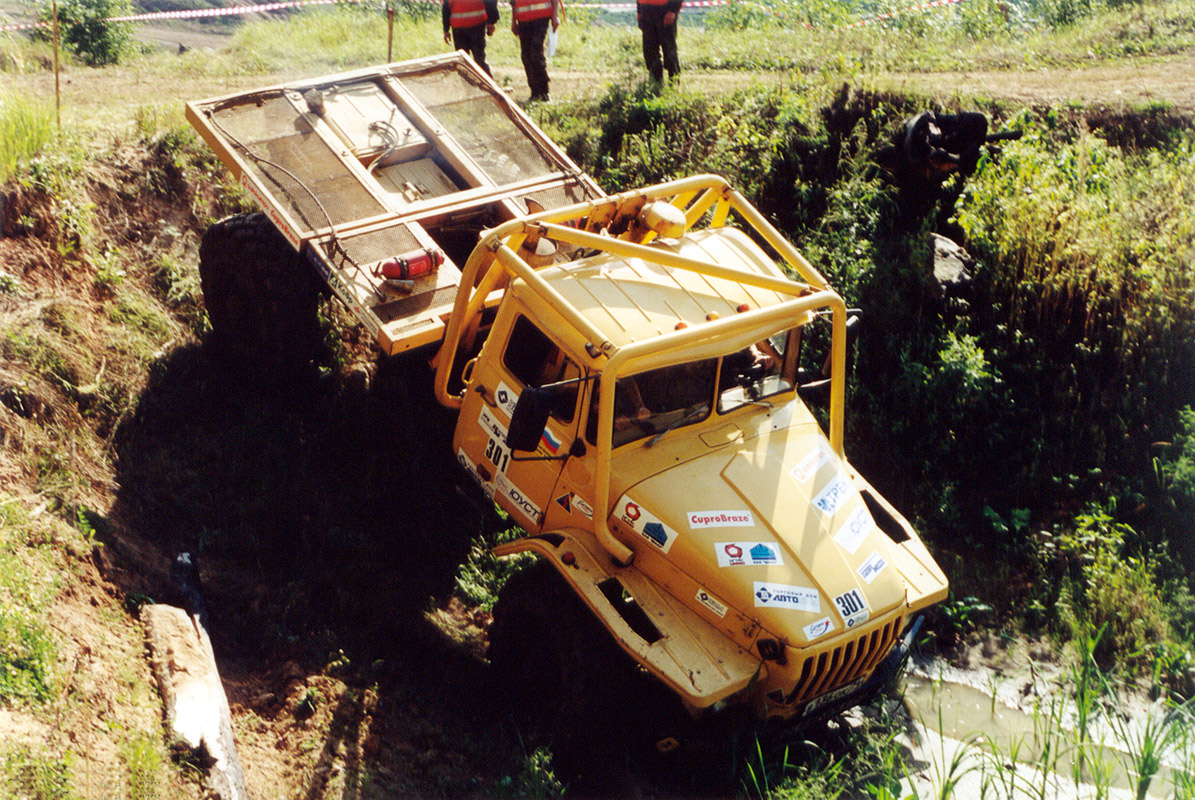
x: 530, y: 417
x: 816, y: 388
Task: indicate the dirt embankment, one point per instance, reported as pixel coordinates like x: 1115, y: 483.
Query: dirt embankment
x: 324, y: 517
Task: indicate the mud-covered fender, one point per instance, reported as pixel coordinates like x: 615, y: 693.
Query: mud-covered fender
x: 661, y: 633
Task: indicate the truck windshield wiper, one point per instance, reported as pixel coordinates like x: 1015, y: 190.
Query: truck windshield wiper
x: 689, y: 416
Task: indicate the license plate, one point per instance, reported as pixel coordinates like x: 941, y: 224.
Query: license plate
x: 830, y: 697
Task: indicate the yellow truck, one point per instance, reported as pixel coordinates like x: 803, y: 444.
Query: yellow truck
x: 626, y: 372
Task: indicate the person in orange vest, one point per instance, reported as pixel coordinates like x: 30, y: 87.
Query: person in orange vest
x: 657, y: 21
x: 530, y: 23
x: 469, y: 22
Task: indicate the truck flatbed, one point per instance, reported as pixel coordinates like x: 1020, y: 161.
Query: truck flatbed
x: 364, y: 166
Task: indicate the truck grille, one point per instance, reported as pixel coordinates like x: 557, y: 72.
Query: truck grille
x: 832, y: 669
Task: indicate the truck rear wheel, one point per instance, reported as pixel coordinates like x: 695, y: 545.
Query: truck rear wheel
x: 563, y: 677
x: 262, y: 299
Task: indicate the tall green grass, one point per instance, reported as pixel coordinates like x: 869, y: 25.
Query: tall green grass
x: 36, y: 775
x: 1087, y: 248
x: 28, y: 583
x: 26, y: 127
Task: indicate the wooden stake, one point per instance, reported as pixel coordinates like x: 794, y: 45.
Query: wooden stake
x: 57, y: 88
x: 390, y: 34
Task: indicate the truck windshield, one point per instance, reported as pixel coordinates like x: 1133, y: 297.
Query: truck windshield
x: 653, y: 402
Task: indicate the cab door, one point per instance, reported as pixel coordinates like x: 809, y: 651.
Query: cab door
x: 515, y: 357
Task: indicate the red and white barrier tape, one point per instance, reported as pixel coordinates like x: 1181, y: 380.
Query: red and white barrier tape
x: 235, y: 10
x: 222, y: 12
x: 632, y: 6
x: 196, y: 13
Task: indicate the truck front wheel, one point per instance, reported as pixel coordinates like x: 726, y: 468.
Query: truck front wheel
x: 562, y: 677
x: 262, y: 300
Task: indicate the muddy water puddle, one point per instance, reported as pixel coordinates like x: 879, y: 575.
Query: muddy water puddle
x: 1022, y: 738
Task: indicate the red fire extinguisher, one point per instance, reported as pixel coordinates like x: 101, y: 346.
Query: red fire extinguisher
x: 411, y: 265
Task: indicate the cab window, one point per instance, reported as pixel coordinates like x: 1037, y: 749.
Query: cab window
x: 755, y: 372
x: 535, y: 360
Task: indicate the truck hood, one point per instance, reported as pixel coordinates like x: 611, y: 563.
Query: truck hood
x: 770, y: 524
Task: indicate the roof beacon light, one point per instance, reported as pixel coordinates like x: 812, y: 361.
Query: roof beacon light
x: 664, y: 219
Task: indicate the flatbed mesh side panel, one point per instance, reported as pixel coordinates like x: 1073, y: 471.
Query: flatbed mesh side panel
x: 479, y: 124
x: 273, y: 131
x: 411, y: 307
x: 560, y: 196
x: 367, y: 248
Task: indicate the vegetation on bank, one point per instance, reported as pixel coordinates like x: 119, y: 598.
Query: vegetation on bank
x: 1037, y: 423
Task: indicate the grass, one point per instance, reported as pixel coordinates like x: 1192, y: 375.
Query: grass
x: 1149, y: 754
x: 940, y: 40
x: 26, y: 127
x: 36, y: 776
x: 28, y: 584
x: 144, y: 757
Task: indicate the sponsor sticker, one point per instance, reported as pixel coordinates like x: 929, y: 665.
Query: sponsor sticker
x: 570, y: 503
x: 872, y: 567
x: 779, y: 595
x: 831, y: 498
x: 484, y: 483
x: 490, y: 424
x: 496, y: 451
x: 832, y: 697
x: 748, y: 554
x: 647, y: 525
x: 712, y: 603
x: 506, y: 398
x: 852, y: 606
x: 808, y: 466
x: 721, y: 519
x: 522, y: 503
x: 855, y: 529
x: 585, y: 509
x: 291, y: 236
x: 819, y: 628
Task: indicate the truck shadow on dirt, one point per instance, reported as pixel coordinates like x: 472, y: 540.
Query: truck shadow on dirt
x: 325, y: 517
